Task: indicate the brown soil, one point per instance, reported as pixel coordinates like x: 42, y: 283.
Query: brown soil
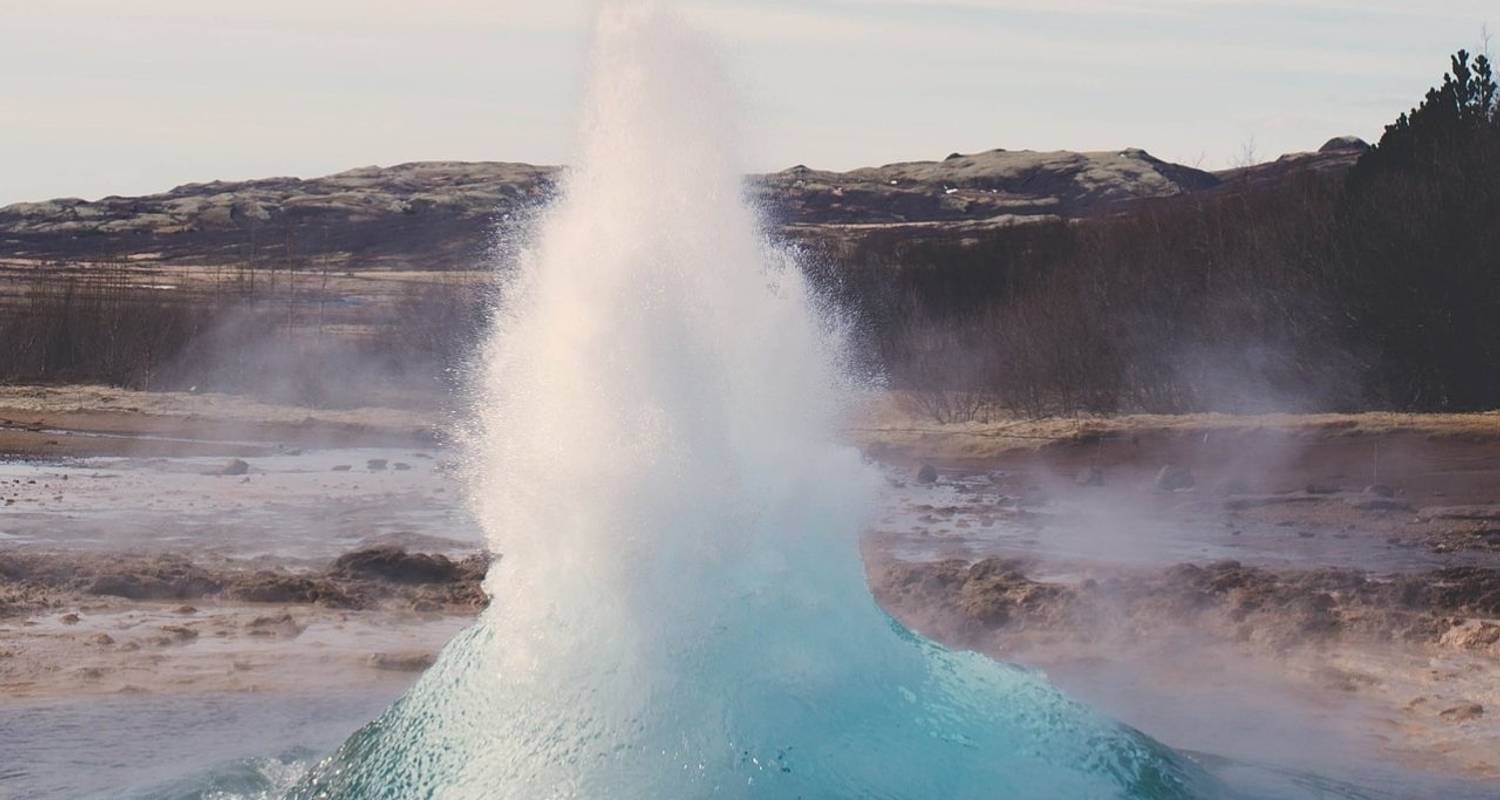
x: 382, y: 577
x: 1420, y: 653
x: 81, y: 421
x: 98, y: 624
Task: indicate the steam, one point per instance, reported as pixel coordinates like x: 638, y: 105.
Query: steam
x: 679, y: 609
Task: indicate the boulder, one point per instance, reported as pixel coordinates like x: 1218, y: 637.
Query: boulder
x: 395, y: 565
x: 1342, y: 143
x: 1463, y: 713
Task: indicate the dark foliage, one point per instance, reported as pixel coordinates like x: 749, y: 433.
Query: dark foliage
x: 1418, y: 249
x: 1378, y: 289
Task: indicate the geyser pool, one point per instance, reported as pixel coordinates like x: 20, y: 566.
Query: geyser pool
x: 680, y: 609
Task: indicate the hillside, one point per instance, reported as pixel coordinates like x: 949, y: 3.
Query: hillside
x: 441, y: 215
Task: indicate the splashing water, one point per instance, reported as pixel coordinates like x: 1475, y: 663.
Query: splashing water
x: 680, y: 610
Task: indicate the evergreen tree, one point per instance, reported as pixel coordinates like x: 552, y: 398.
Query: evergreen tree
x: 1419, y: 256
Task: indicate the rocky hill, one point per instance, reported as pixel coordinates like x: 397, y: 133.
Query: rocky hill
x: 436, y: 213
x: 981, y: 186
x: 1335, y: 157
x: 447, y: 214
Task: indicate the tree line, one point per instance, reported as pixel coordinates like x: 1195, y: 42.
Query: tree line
x: 1379, y: 288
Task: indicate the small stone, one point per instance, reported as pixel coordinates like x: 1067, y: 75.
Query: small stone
x: 376, y: 464
x: 1463, y: 713
x: 70, y: 619
x: 177, y: 634
x: 235, y: 466
x: 927, y: 474
x: 400, y: 662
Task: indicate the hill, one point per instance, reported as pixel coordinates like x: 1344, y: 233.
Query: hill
x: 445, y: 215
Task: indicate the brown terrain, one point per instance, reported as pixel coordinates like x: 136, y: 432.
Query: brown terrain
x: 1154, y: 566
x: 444, y: 215
x: 1350, y: 562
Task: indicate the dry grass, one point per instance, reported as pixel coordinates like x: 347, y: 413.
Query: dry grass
x: 890, y: 424
x: 22, y: 402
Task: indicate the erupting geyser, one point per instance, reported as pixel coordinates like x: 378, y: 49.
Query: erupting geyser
x: 680, y: 610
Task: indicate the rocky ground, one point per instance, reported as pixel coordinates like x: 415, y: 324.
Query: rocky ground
x: 1254, y: 586
x: 1415, y: 657
x: 75, y: 624
x: 1342, y: 570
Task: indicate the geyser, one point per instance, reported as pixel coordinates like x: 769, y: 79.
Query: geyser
x: 680, y: 610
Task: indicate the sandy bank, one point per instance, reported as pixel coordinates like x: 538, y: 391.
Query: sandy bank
x: 75, y: 624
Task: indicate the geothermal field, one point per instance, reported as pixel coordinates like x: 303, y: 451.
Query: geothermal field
x: 1013, y: 475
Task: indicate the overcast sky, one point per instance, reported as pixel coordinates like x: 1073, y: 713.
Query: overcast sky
x: 105, y: 97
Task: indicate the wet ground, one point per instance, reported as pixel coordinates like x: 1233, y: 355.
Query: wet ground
x: 245, y: 696
x: 249, y: 706
x: 297, y: 504
x: 975, y: 514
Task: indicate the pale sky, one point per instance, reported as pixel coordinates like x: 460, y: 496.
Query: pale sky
x: 102, y: 97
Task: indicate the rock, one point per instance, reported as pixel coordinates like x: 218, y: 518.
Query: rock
x: 235, y: 466
x: 376, y: 464
x: 1343, y: 143
x: 70, y: 619
x: 1379, y: 490
x: 275, y: 587
x: 178, y: 634
x: 342, y: 468
x: 401, y: 466
x: 927, y: 474
x: 396, y: 565
x: 1174, y: 479
x: 162, y: 579
x: 280, y: 627
x: 400, y: 662
x: 1093, y: 476
x: 1474, y: 636
x: 102, y: 639
x: 1463, y: 713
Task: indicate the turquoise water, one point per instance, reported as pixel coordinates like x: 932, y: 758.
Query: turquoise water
x: 771, y: 675
x: 913, y: 721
